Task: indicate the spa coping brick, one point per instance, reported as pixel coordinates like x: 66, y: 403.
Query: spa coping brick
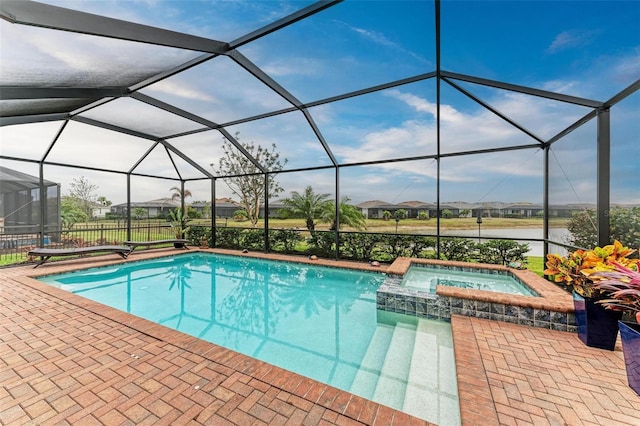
x: 55, y: 344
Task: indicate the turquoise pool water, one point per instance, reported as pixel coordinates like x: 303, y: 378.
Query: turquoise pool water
x: 316, y: 321
x: 426, y: 278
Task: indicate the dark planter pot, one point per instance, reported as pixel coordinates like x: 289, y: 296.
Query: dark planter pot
x: 597, y: 326
x: 630, y: 336
x: 178, y: 245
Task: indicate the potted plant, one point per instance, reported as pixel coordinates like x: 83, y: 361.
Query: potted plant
x: 597, y: 326
x: 622, y: 288
x: 179, y: 226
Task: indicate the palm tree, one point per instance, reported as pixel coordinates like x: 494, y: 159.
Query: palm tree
x: 307, y: 205
x: 178, y: 195
x: 349, y: 215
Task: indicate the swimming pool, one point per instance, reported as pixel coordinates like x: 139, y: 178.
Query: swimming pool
x: 427, y: 278
x: 320, y: 322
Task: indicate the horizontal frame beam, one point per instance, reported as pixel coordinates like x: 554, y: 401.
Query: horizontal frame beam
x: 523, y: 89
x: 60, y: 18
x: 13, y: 92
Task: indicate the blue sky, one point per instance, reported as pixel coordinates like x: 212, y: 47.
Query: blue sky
x: 589, y: 49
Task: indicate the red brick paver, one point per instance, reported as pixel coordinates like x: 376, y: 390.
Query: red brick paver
x: 539, y: 376
x: 65, y: 359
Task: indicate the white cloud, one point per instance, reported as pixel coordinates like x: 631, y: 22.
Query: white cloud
x: 627, y: 68
x: 571, y: 39
x: 183, y: 90
x: 381, y: 39
x: 226, y: 87
x: 298, y: 66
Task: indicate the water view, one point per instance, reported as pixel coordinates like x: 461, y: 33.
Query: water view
x: 536, y: 247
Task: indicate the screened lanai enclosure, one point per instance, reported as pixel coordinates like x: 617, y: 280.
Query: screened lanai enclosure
x: 410, y: 112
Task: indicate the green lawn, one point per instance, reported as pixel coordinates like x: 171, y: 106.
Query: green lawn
x: 405, y: 225
x: 536, y: 264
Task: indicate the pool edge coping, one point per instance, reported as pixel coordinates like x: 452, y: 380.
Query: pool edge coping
x: 325, y: 396
x: 236, y: 361
x: 474, y: 393
x: 551, y: 296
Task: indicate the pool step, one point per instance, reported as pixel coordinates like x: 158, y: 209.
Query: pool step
x: 391, y: 385
x: 431, y: 392
x: 365, y: 380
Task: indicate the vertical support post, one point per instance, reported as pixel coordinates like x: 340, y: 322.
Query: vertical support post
x: 337, y: 212
x: 438, y: 159
x: 44, y: 215
x: 58, y: 210
x: 604, y: 176
x: 266, y: 212
x: 183, y: 209
x: 128, y: 206
x: 213, y: 212
x: 182, y: 197
x: 545, y: 204
x: 43, y: 206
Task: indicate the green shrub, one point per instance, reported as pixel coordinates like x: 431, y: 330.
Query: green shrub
x: 252, y: 239
x: 501, y: 252
x: 624, y: 227
x: 359, y: 246
x: 323, y: 243
x: 228, y: 238
x: 421, y: 245
x: 240, y: 215
x: 284, y: 240
x: 459, y: 249
x: 397, y: 245
x: 196, y: 233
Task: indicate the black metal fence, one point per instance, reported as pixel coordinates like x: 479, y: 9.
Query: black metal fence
x: 15, y: 245
x: 361, y: 246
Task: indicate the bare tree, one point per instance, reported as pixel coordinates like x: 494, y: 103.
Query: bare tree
x: 245, y: 179
x: 83, y: 192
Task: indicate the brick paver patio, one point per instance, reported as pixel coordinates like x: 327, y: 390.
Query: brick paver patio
x: 68, y: 360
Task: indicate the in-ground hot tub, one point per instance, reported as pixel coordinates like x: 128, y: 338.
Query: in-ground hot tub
x: 545, y: 305
x: 424, y: 277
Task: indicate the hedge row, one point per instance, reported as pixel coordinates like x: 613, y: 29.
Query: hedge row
x: 364, y: 246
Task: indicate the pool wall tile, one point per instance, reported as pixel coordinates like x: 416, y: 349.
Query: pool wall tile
x: 421, y: 307
x: 542, y: 315
x: 553, y: 309
x: 497, y: 308
x: 484, y: 315
x: 496, y: 317
x: 469, y: 304
x: 483, y: 306
x: 558, y: 318
x: 542, y: 324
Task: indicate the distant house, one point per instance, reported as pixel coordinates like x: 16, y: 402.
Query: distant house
x: 375, y: 209
x: 567, y: 210
x: 100, y: 211
x: 154, y: 208
x: 226, y: 207
x: 414, y: 208
x: 523, y: 210
x: 457, y: 209
x: 160, y: 208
